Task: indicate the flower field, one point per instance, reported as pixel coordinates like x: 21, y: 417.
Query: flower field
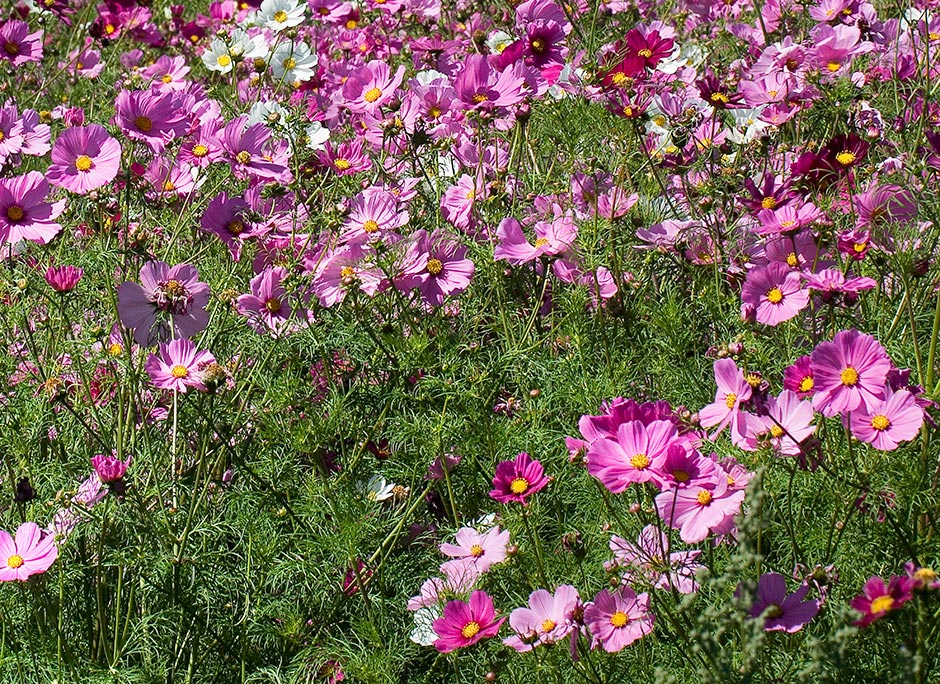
x: 420, y: 341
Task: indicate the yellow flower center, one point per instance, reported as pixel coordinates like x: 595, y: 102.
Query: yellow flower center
x: 109, y: 29
x: 243, y: 157
x: 370, y: 226
x: 115, y: 349
x: 179, y: 372
x: 200, y: 150
x: 84, y: 163
x: 341, y: 164
x: 833, y: 66
x: 143, y: 123
x: 471, y: 194
x: 235, y: 227
x: 549, y: 625
x: 223, y: 60
x: 434, y: 112
x: 480, y: 97
x: 730, y: 399
x: 933, y: 35
x: 645, y: 52
x: 541, y: 242
x: 792, y: 260
x: 435, y: 266
x: 470, y: 630
x: 880, y: 422
x: 618, y: 78
x: 775, y: 296
x: 476, y: 550
x: 15, y: 212
x: 859, y: 247
x: 280, y: 16
x: 351, y: 24
x: 15, y: 561
x: 681, y: 476
x: 11, y: 48
x: 289, y: 63
x: 925, y: 575
x: 640, y: 461
x: 776, y: 431
x: 372, y: 94
x: 169, y: 186
x: 845, y: 158
x: 167, y: 78
x: 519, y: 485
x: 849, y: 377
x: 882, y: 604
x: 787, y: 224
x: 347, y: 272
x: 768, y: 203
x: 619, y: 619
x: 807, y: 384
x: 719, y: 97
x: 538, y: 46
x: 704, y: 497
x: 273, y: 305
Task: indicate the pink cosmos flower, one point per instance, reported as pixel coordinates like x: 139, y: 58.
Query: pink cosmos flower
x: 246, y: 145
x: 341, y: 270
x: 455, y: 582
x: 464, y: 624
x: 151, y: 117
x: 789, y: 421
x: 178, y: 366
x: 849, y: 372
x: 798, y: 377
x: 782, y: 612
x: 478, y: 550
x: 109, y: 467
x: 888, y: 421
x: 31, y: 553
x: 229, y: 218
x: 24, y: 212
x: 266, y: 307
x: 775, y: 292
x: 479, y: 86
x: 371, y: 86
x: 84, y: 158
x: 458, y: 200
x: 552, y: 238
x: 698, y: 511
x: 518, y: 479
x: 63, y: 278
x: 649, y: 560
x: 787, y: 219
x: 18, y: 45
x: 165, y: 292
x: 878, y: 599
x: 373, y: 216
x: 733, y: 388
x: 436, y: 265
x: 830, y: 282
x: 546, y: 620
x: 618, y: 618
x: 633, y: 457
x: 685, y: 467
x: 346, y: 159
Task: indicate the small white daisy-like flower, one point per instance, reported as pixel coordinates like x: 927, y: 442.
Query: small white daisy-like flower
x: 269, y: 113
x: 377, y: 489
x: 218, y: 58
x: 278, y: 15
x: 293, y: 62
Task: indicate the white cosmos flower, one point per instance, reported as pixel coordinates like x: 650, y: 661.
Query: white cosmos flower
x: 269, y: 113
x: 377, y: 489
x: 243, y: 46
x: 317, y: 135
x: 498, y: 41
x: 217, y: 57
x: 278, y: 15
x: 293, y: 62
x: 423, y: 634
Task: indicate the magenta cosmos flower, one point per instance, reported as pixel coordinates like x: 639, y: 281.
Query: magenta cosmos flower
x: 24, y: 212
x: 547, y: 619
x: 518, y: 479
x: 84, y: 158
x: 878, y: 599
x: 370, y: 86
x: 150, y: 117
x: 266, y: 306
x: 889, y: 421
x: 698, y: 511
x: 109, y: 467
x: 178, y: 366
x: 634, y: 456
x: 782, y: 612
x: 476, y: 551
x: 775, y: 292
x: 551, y: 239
x: 165, y: 292
x: 464, y: 624
x: 18, y: 45
x: 848, y: 373
x: 31, y: 553
x: 618, y: 618
x: 436, y: 265
x: 63, y: 278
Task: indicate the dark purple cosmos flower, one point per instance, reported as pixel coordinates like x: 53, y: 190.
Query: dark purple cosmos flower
x: 518, y: 479
x: 170, y: 302
x: 782, y: 612
x: 716, y: 95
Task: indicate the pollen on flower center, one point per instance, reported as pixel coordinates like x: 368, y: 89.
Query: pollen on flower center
x: 849, y: 377
x: 143, y: 123
x: 83, y: 163
x: 538, y: 46
x: 341, y: 164
x: 719, y: 97
x: 680, y: 476
x: 243, y: 157
x: 776, y: 431
x: 882, y: 604
x: 549, y: 625
x: 730, y: 399
x: 925, y: 575
x: 15, y: 212
x: 435, y: 266
x: 645, y: 52
x: 880, y: 422
x: 470, y: 630
x: 273, y: 305
x: 280, y: 16
x: 845, y: 158
x: 370, y: 226
x: 519, y: 485
x: 15, y: 561
x: 223, y: 60
x: 768, y: 203
x: 347, y: 272
x: 372, y: 94
x: 476, y: 550
x: 833, y: 66
x: 179, y: 371
x: 289, y: 63
x: 704, y: 497
x: 541, y: 242
x: 775, y: 295
x: 116, y: 349
x: 169, y: 186
x: 807, y: 384
x: 200, y: 150
x: 480, y: 98
x: 235, y: 227
x: 640, y: 461
x: 619, y: 619
x: 434, y: 112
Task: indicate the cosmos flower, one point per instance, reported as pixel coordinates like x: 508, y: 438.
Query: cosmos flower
x: 616, y: 619
x: 782, y: 612
x: 24, y: 212
x: 436, y: 265
x: 169, y: 302
x: 84, y: 158
x: 894, y: 418
x: 518, y: 479
x: 177, y: 366
x: 848, y: 373
x: 464, y: 624
x: 30, y: 553
x: 546, y: 620
x: 879, y: 599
